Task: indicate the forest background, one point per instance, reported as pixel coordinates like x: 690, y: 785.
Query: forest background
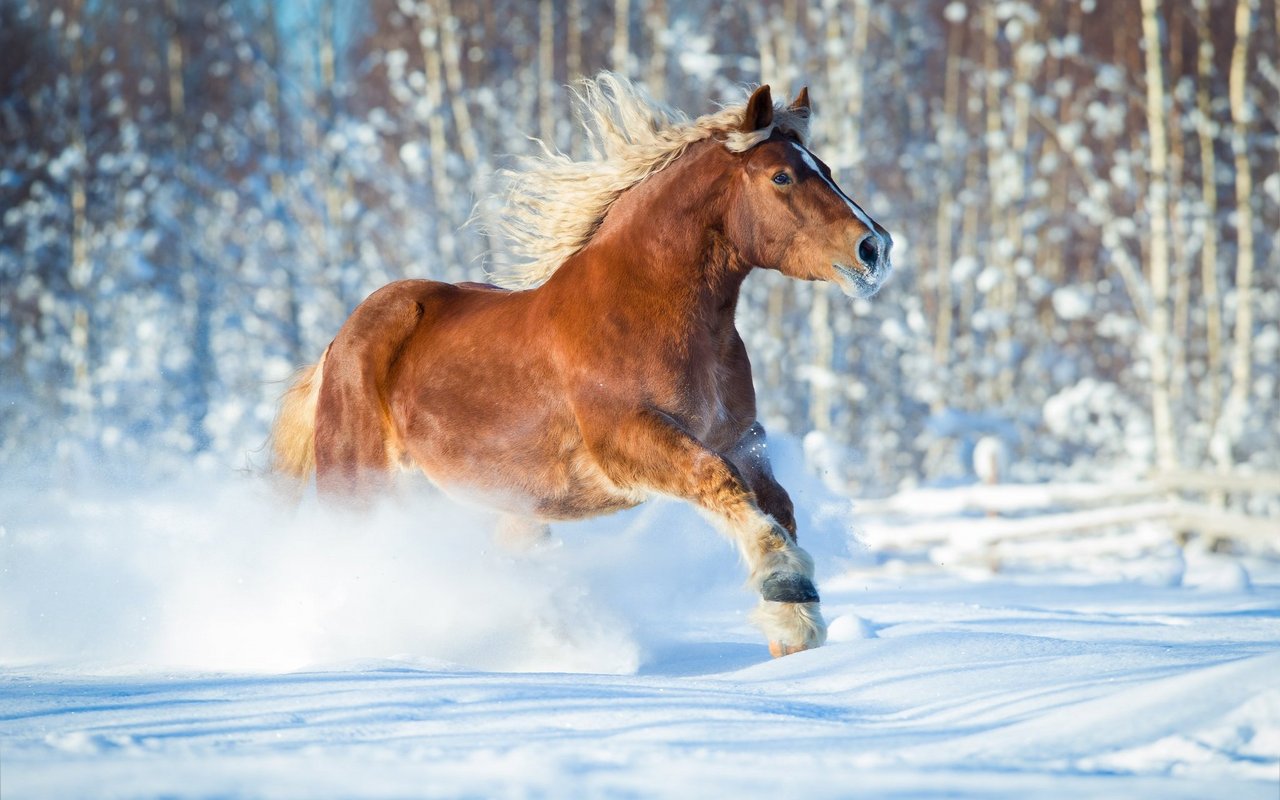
x: 1084, y: 197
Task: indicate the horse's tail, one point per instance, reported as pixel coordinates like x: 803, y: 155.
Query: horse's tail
x: 293, y: 434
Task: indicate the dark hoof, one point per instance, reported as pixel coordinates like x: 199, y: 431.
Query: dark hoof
x: 788, y: 587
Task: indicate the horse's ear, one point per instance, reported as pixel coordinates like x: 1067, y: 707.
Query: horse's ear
x: 801, y: 104
x: 759, y: 110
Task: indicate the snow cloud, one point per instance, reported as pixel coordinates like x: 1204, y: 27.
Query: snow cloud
x: 220, y: 578
x: 216, y: 574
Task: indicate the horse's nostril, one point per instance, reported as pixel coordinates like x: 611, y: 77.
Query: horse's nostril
x: 869, y: 251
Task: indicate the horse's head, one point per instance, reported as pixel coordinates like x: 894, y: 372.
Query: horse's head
x: 788, y: 214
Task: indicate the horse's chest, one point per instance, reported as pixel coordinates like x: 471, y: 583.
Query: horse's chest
x: 702, y: 403
x: 707, y: 412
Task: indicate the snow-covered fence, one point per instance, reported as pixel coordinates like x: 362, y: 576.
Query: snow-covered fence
x: 987, y: 523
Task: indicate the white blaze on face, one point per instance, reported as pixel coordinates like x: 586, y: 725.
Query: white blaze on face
x: 812, y: 163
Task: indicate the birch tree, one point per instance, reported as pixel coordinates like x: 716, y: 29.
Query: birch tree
x: 657, y: 23
x: 1158, y: 212
x: 621, y: 53
x: 1232, y: 422
x: 451, y: 58
x: 546, y: 72
x: 948, y: 133
x: 79, y: 270
x: 433, y: 111
x: 1208, y: 217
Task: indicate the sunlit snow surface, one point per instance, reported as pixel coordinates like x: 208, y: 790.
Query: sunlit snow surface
x: 191, y: 640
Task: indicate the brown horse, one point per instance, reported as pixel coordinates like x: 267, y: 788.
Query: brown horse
x: 617, y: 372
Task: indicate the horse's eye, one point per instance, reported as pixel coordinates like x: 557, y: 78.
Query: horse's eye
x: 782, y: 179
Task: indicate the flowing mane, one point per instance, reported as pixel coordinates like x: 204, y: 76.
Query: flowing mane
x: 554, y: 204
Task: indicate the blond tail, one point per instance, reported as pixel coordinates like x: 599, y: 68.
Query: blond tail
x: 293, y: 435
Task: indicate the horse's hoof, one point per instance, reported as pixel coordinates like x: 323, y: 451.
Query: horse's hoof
x: 778, y: 649
x: 788, y: 587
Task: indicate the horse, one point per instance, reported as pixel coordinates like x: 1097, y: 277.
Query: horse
x: 608, y: 368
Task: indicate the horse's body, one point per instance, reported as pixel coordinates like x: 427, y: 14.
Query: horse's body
x: 620, y: 376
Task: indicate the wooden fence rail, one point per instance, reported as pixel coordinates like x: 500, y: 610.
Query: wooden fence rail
x: 965, y: 522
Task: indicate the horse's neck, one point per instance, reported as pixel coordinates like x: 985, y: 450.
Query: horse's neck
x: 659, y: 251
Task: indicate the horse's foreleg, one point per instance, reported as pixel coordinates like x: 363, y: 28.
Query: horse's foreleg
x: 751, y: 456
x: 652, y: 451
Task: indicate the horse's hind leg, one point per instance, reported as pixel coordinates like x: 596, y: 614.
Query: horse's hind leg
x: 355, y: 439
x: 649, y: 450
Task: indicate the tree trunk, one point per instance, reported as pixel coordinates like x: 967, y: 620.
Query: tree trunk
x: 1024, y: 68
x: 943, y: 256
x: 996, y: 145
x: 783, y: 38
x: 339, y: 254
x: 822, y: 377
x: 1233, y: 417
x: 573, y: 39
x: 546, y: 73
x: 1209, y: 218
x: 777, y: 302
x: 442, y: 187
x: 1158, y: 211
x: 821, y: 386
x: 658, y: 23
x: 452, y: 56
x: 1181, y: 274
x: 79, y: 270
x: 194, y: 279
x: 292, y: 322
x: 621, y: 36
x: 764, y: 44
x: 1058, y: 232
x: 850, y: 141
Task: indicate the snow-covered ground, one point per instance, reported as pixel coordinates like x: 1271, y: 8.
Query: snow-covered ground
x: 190, y: 640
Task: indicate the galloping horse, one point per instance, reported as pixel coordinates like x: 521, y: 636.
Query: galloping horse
x: 615, y: 372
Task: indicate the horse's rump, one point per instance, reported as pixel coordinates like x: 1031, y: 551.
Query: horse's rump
x: 357, y: 442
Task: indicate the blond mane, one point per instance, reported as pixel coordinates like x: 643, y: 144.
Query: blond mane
x: 554, y: 204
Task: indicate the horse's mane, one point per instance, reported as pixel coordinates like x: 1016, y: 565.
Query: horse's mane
x: 554, y: 204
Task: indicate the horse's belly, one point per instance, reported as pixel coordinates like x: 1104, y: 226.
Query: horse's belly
x: 546, y: 488
x: 477, y: 404
x: 530, y: 464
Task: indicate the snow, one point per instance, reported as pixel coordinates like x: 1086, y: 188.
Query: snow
x: 1071, y: 303
x: 192, y: 639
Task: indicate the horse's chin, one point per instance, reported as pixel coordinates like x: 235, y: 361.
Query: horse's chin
x: 856, y: 284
